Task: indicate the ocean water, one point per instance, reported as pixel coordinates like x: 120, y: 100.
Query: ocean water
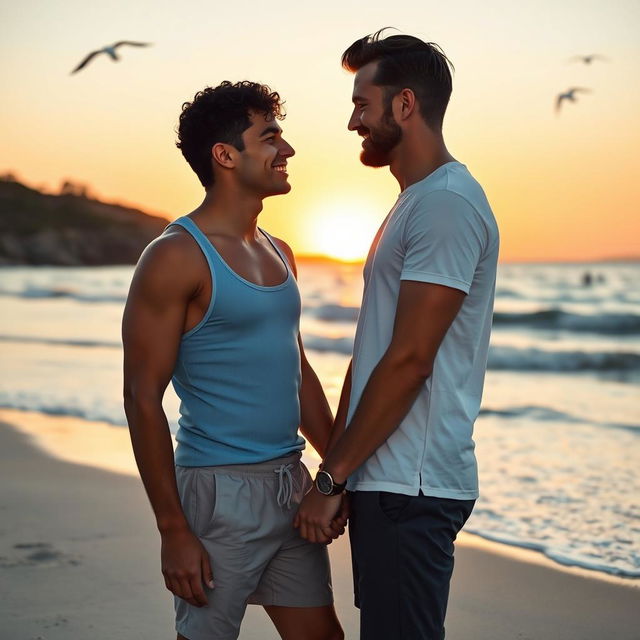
x: 558, y: 437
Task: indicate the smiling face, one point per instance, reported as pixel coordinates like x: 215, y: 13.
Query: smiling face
x: 261, y: 166
x: 372, y: 119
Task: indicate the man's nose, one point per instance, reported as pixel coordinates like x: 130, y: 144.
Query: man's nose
x: 287, y: 150
x: 354, y: 121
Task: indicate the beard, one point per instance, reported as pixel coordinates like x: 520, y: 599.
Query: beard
x: 382, y: 140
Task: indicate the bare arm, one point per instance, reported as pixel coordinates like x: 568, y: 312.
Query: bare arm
x: 339, y: 521
x: 340, y: 422
x: 315, y: 415
x: 152, y: 327
x: 389, y: 394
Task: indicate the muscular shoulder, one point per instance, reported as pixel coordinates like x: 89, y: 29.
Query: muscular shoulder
x: 173, y: 262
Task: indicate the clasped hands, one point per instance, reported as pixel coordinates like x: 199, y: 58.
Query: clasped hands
x: 322, y: 518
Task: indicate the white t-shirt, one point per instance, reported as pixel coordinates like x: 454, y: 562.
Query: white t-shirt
x: 441, y: 230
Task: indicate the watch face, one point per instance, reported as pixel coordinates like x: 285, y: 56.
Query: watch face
x: 324, y: 482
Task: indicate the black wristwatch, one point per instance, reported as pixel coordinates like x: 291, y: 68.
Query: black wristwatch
x: 326, y: 486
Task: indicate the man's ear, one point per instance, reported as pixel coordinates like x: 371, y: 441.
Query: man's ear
x: 223, y: 155
x: 404, y: 104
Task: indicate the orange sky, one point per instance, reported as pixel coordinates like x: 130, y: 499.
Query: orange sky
x: 562, y: 187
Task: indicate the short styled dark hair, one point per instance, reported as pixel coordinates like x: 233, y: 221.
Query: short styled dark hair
x: 221, y: 114
x: 406, y: 62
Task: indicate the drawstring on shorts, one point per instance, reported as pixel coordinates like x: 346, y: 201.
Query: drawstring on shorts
x: 285, y: 485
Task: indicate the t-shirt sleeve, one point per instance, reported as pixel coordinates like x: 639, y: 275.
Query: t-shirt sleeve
x: 444, y: 238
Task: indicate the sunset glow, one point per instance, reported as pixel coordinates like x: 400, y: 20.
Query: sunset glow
x: 563, y: 186
x: 342, y: 231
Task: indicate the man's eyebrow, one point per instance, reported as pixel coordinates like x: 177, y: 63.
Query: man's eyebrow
x: 357, y: 98
x: 271, y: 129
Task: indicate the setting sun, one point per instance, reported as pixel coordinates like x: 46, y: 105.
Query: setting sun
x: 343, y: 230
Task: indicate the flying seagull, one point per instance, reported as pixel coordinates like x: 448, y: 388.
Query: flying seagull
x: 110, y: 50
x: 588, y: 59
x: 569, y: 94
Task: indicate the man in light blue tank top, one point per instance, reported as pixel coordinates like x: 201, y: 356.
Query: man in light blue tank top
x: 214, y: 308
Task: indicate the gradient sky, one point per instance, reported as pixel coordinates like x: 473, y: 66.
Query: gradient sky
x: 563, y: 187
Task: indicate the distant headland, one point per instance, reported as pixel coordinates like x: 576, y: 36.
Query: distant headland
x: 70, y: 228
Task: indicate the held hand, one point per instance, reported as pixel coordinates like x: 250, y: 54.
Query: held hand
x: 344, y: 512
x: 315, y: 516
x: 186, y: 567
x: 339, y: 523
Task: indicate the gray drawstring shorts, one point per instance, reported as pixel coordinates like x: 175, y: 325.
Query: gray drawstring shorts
x: 243, y: 515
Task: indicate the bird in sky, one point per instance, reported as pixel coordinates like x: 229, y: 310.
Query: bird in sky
x: 588, y: 59
x: 110, y: 50
x: 569, y: 94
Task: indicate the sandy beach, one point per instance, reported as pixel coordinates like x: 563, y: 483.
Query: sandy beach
x: 79, y: 558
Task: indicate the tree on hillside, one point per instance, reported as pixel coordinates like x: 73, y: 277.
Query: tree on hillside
x: 69, y: 188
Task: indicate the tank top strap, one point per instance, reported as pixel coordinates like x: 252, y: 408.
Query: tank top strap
x: 218, y: 266
x: 212, y: 256
x: 212, y: 259
x: 279, y: 251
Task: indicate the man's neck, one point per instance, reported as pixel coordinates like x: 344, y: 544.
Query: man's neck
x: 418, y: 155
x: 229, y: 213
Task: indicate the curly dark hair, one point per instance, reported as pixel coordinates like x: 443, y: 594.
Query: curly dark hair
x: 221, y: 114
x: 406, y: 62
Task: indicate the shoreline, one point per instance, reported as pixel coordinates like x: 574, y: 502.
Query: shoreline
x: 107, y: 447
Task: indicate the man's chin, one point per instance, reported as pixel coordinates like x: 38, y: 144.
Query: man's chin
x: 286, y: 188
x: 372, y: 159
x: 280, y: 191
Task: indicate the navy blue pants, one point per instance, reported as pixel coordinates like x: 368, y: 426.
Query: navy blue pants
x: 402, y: 551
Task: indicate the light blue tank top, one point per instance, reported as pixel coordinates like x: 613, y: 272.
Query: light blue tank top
x: 238, y: 370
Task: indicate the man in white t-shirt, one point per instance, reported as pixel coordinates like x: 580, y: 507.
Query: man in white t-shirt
x: 402, y: 442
